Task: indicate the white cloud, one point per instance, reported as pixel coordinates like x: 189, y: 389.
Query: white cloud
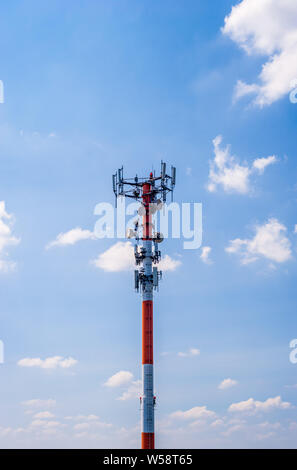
x: 243, y: 89
x: 37, y: 403
x: 217, y: 423
x: 232, y: 429
x: 44, y: 415
x: 90, y: 417
x: 48, y: 363
x: 120, y: 378
x: 91, y: 424
x: 270, y: 242
x: 227, y: 172
x: 6, y: 238
x: 191, y: 352
x: 169, y: 264
x: 198, y: 412
x: 291, y: 386
x: 125, y: 378
x: 71, y: 237
x: 253, y: 406
x: 267, y: 28
x: 268, y: 435
x: 5, y: 431
x: 206, y: 250
x: 45, y: 424
x: 267, y: 425
x: 295, y: 229
x: 227, y: 383
x: 184, y: 428
x: 261, y: 163
x: 133, y: 391
x: 120, y: 257
x: 80, y: 426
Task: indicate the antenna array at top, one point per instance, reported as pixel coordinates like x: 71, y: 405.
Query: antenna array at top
x: 132, y: 187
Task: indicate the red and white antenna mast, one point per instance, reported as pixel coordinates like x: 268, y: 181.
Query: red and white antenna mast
x: 151, y: 192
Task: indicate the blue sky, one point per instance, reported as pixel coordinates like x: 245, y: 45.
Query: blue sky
x: 89, y: 86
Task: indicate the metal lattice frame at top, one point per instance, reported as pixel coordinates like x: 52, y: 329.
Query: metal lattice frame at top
x: 160, y: 185
x: 151, y: 192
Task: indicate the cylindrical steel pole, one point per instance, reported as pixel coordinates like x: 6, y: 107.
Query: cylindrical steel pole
x: 147, y: 408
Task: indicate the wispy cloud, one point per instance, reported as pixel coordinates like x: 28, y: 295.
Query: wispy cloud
x: 94, y: 423
x: 39, y: 403
x: 205, y: 252
x: 226, y: 171
x: 261, y: 163
x: 44, y: 415
x: 6, y: 238
x: 190, y: 353
x: 48, y: 363
x: 291, y: 386
x: 90, y: 417
x: 71, y: 237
